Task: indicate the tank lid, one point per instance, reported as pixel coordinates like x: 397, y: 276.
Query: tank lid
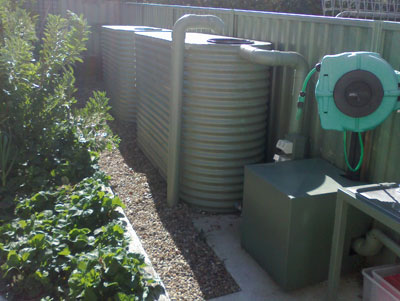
x: 229, y: 41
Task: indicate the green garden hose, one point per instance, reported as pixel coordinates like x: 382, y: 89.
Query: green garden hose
x: 345, y: 152
x: 300, y: 104
x: 302, y: 94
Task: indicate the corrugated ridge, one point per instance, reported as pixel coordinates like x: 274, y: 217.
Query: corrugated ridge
x: 224, y: 118
x: 119, y: 71
x: 153, y: 63
x: 225, y: 112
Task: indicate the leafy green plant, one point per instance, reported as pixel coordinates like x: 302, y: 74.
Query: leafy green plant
x: 70, y: 244
x: 66, y: 242
x: 91, y: 123
x: 56, y: 142
x: 7, y: 157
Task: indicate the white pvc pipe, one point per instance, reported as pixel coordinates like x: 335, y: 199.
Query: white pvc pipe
x: 175, y: 113
x: 372, y: 244
x: 368, y: 245
x: 281, y: 58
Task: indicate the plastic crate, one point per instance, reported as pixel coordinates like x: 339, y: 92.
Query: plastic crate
x: 373, y: 290
x: 379, y: 275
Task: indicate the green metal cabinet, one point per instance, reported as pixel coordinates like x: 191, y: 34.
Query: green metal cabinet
x: 287, y: 220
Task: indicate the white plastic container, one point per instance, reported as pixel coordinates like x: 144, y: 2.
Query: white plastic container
x: 374, y: 291
x: 381, y: 272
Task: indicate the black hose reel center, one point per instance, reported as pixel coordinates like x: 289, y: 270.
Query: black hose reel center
x: 358, y: 93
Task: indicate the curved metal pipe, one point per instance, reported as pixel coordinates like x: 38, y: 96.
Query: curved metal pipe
x: 175, y: 113
x: 281, y: 58
x: 373, y: 242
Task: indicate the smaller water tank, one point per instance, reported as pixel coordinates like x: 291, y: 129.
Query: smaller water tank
x: 224, y: 114
x: 119, y: 68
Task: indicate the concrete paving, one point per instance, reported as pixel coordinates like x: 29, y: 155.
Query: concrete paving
x: 222, y: 234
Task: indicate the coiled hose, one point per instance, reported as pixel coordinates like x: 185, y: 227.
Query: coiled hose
x: 300, y: 105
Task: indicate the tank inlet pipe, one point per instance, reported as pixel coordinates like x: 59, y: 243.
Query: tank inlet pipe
x: 175, y: 112
x: 281, y: 58
x: 373, y: 242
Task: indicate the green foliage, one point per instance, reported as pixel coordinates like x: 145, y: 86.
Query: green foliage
x: 69, y: 244
x: 7, y: 157
x: 55, y: 142
x: 91, y: 123
x: 295, y: 6
x: 66, y: 242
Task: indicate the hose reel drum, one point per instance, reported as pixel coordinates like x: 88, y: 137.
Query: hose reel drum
x: 356, y: 91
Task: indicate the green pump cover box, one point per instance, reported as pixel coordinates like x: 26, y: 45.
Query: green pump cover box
x: 288, y: 217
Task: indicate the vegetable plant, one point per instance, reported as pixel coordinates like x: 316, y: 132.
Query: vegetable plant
x: 69, y: 244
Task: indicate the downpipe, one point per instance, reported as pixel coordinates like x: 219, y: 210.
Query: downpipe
x: 275, y: 58
x: 175, y: 113
x: 373, y: 243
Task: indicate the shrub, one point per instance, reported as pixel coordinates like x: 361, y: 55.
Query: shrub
x: 65, y: 242
x: 44, y: 141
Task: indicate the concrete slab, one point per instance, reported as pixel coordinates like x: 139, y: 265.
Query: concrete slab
x: 222, y: 234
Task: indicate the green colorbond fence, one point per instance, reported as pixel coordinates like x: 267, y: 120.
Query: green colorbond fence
x: 312, y: 36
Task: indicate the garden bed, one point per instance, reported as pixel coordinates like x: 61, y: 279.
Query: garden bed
x: 72, y: 241
x: 61, y: 236
x: 180, y: 255
x: 62, y: 233
x: 188, y: 267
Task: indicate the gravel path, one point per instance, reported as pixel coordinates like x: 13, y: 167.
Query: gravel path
x: 188, y: 267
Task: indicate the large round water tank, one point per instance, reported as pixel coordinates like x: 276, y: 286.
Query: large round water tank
x: 224, y: 114
x: 119, y: 68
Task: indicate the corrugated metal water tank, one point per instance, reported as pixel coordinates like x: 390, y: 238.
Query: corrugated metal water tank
x: 119, y: 68
x: 224, y: 114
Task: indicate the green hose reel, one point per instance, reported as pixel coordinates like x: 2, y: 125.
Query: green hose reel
x: 356, y: 91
